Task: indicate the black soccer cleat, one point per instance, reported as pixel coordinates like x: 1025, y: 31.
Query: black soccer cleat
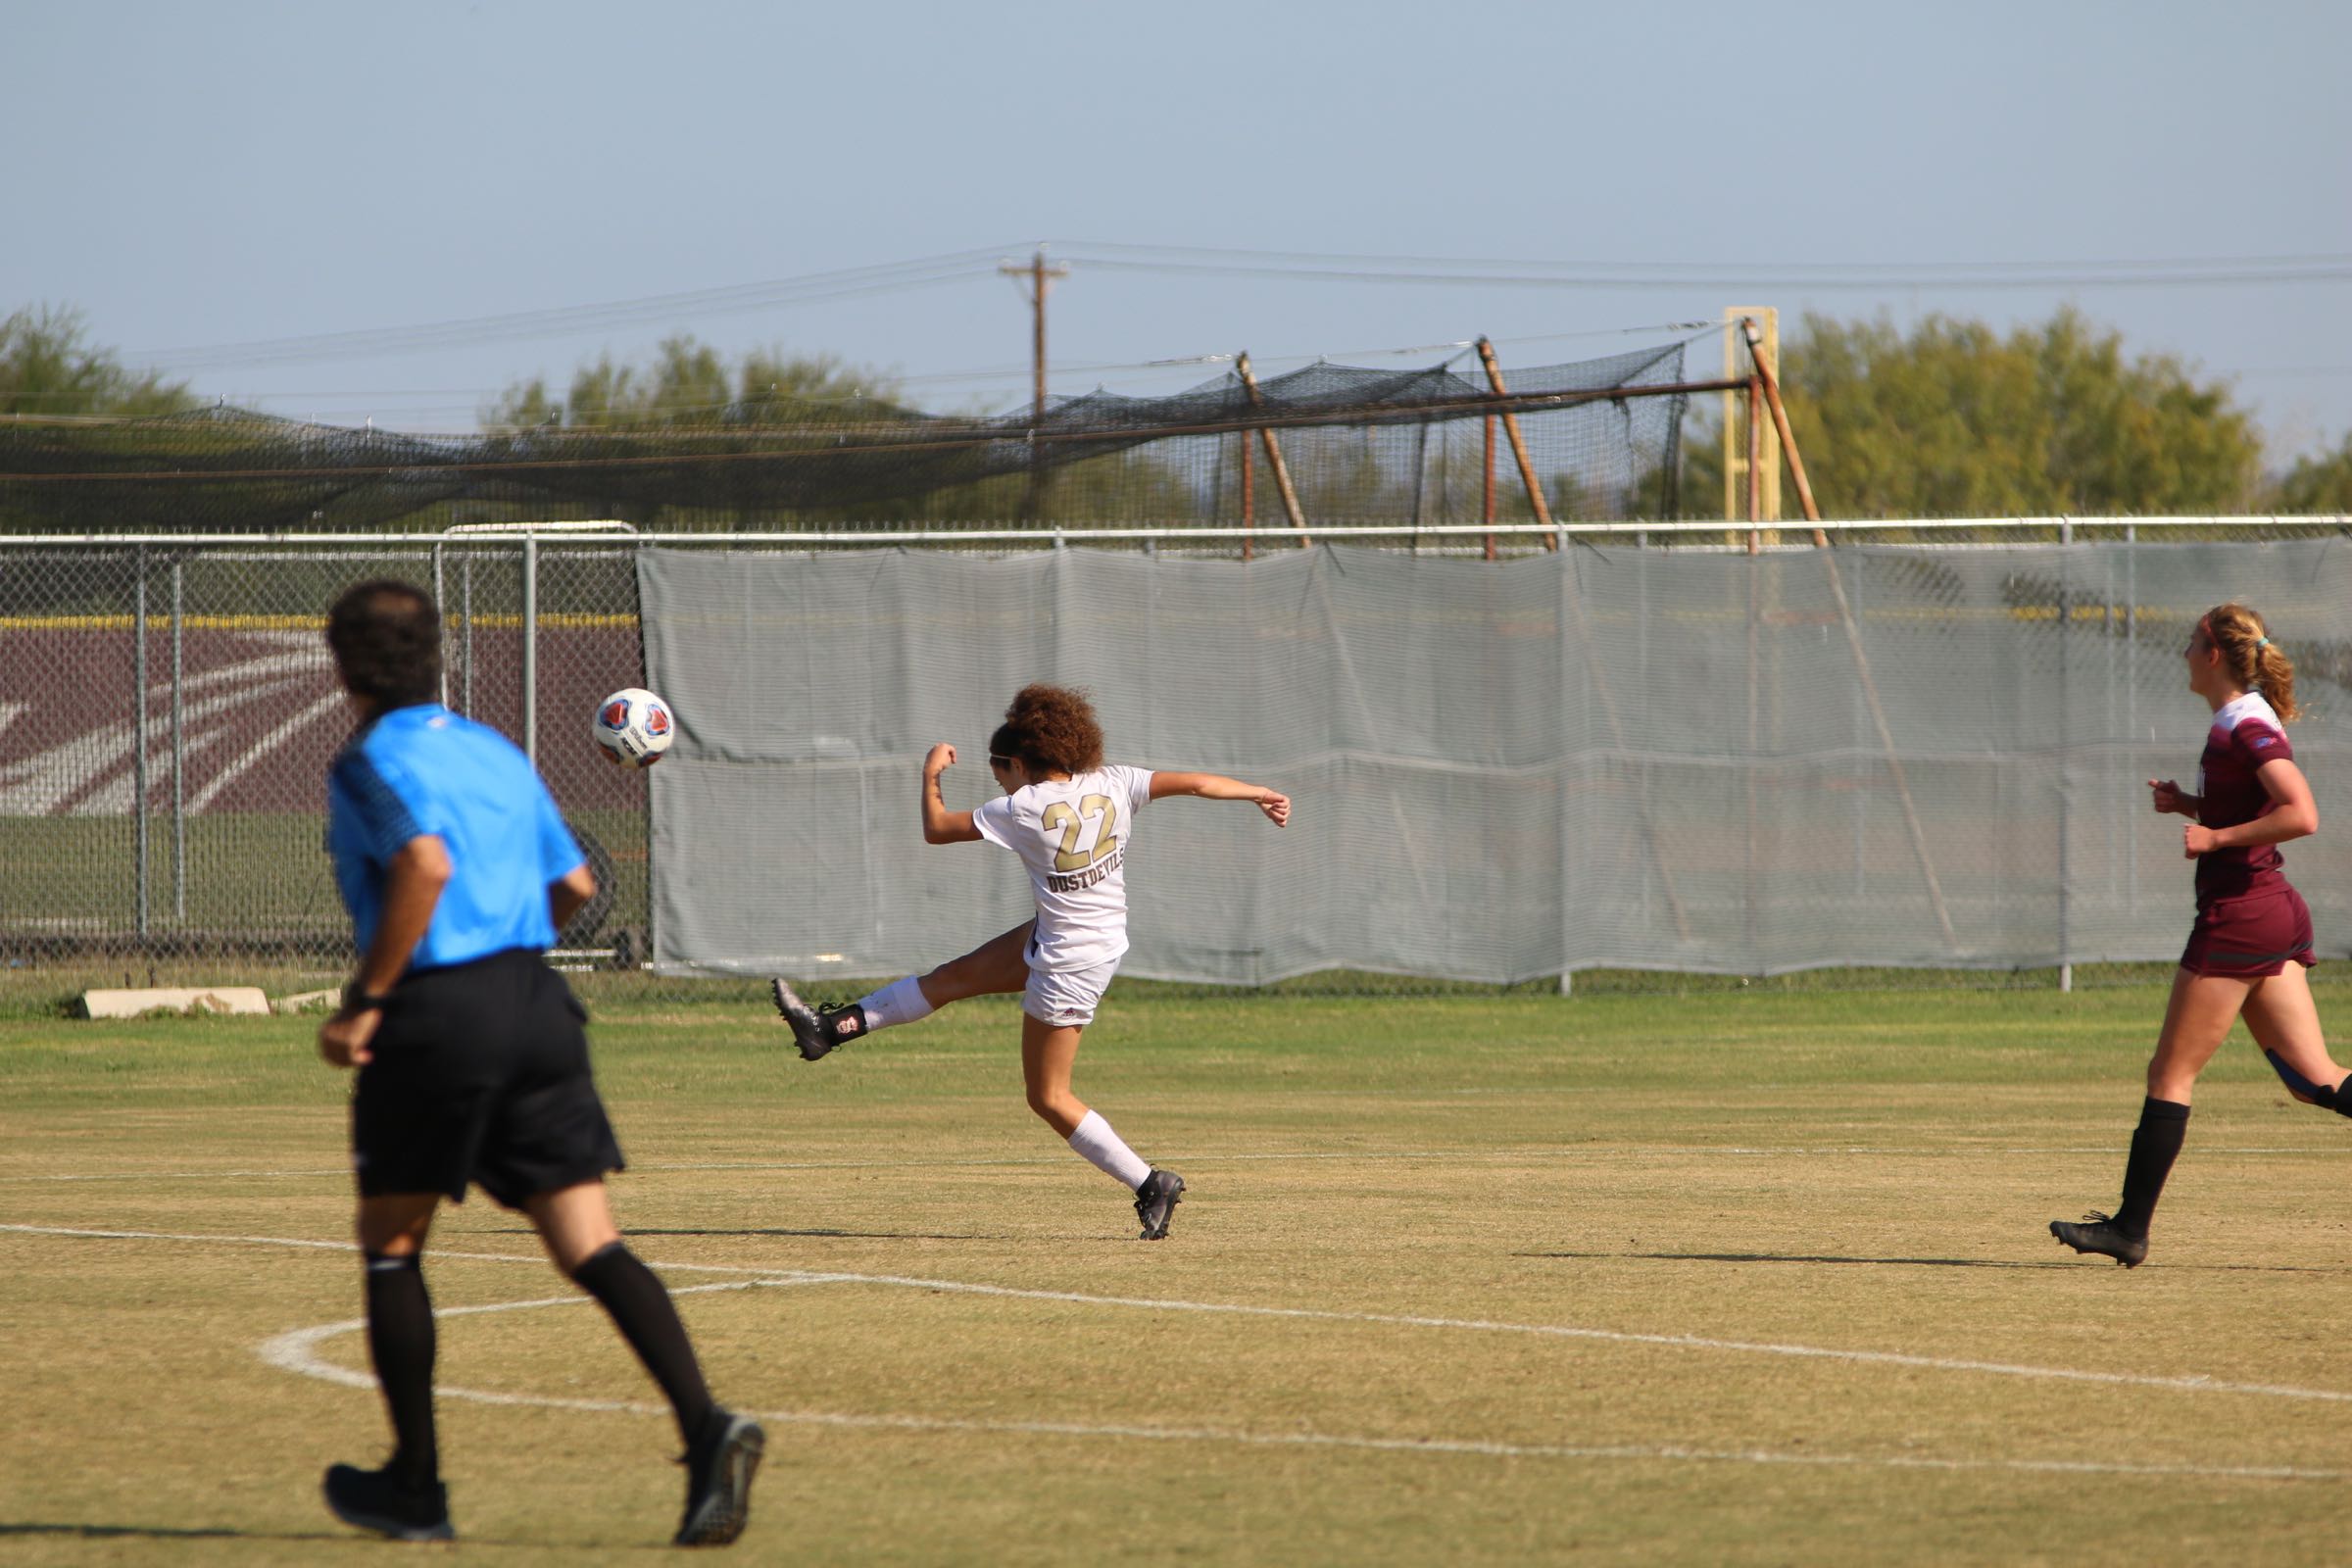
x: 718, y: 1482
x: 2096, y: 1233
x: 1154, y: 1201
x: 816, y: 1032
x: 378, y: 1501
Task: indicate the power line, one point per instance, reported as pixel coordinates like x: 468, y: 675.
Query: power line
x: 809, y: 288
x: 2339, y: 271
x: 1308, y: 266
x: 1380, y: 259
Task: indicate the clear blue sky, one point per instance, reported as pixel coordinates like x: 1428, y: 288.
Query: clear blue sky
x: 199, y: 175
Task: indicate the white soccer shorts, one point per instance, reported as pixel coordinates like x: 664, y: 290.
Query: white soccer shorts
x: 1067, y: 998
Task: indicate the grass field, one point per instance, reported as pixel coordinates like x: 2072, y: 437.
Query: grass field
x: 1620, y: 1279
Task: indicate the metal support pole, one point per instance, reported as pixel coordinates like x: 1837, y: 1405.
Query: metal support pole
x: 1755, y: 464
x: 179, y: 754
x: 1861, y: 794
x: 440, y: 603
x: 2065, y: 730
x: 467, y: 590
x: 1487, y: 482
x: 2131, y: 689
x: 138, y: 745
x: 531, y: 648
x: 1248, y: 497
x: 1750, y: 877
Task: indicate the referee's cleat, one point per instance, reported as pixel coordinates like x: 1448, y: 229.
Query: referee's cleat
x: 2098, y: 1233
x: 815, y: 1032
x: 1154, y: 1201
x: 376, y: 1499
x: 718, y: 1481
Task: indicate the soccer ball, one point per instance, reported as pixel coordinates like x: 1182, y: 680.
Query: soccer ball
x: 634, y: 727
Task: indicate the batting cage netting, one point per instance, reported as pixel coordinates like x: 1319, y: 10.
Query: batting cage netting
x: 1693, y: 760
x: 1336, y: 443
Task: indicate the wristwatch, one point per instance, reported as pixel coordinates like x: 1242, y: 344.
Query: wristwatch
x: 356, y: 1001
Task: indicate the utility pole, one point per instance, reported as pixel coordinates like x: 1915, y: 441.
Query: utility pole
x: 1041, y: 278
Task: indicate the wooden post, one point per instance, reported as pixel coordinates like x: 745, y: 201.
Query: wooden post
x: 1853, y: 637
x: 1736, y: 467
x: 1282, y: 471
x: 1780, y: 421
x: 1510, y: 427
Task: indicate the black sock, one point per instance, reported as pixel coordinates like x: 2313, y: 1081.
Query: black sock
x: 641, y: 1308
x: 2155, y: 1145
x: 400, y: 1340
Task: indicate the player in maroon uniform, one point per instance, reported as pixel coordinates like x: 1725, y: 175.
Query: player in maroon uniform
x: 2251, y: 941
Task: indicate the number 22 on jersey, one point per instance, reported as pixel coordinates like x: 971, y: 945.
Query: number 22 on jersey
x: 1072, y: 826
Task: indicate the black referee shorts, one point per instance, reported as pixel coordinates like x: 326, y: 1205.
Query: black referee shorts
x: 480, y: 1073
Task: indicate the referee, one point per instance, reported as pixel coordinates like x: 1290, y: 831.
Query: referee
x: 472, y: 1062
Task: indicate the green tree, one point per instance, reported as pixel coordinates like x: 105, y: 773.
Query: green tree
x: 688, y: 384
x: 48, y: 368
x: 1954, y: 419
x: 2321, y: 483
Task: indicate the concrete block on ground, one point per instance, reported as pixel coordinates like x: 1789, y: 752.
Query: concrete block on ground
x: 172, y: 999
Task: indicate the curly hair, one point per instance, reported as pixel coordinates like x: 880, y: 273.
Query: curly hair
x: 386, y: 638
x: 2253, y: 660
x: 1052, y: 730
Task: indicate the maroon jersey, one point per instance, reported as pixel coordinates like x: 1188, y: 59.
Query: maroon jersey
x: 2245, y: 734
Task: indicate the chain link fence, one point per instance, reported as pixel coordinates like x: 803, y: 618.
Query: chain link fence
x: 167, y: 711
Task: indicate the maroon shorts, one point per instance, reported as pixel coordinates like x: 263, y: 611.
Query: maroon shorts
x: 2250, y: 937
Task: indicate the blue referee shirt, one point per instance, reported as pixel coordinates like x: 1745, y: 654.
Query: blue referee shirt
x: 423, y: 770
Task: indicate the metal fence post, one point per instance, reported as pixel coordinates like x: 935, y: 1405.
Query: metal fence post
x: 139, y: 747
x: 180, y: 753
x: 2131, y: 692
x: 2066, y: 794
x: 530, y: 648
x: 1861, y: 724
x: 440, y: 603
x: 1566, y: 564
x: 468, y: 579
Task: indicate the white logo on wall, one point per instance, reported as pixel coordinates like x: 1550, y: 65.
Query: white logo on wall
x: 233, y: 716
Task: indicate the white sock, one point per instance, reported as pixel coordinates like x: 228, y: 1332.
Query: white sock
x: 1107, y: 1152
x: 900, y: 1001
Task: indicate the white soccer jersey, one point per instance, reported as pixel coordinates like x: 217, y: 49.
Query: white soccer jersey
x: 1072, y: 835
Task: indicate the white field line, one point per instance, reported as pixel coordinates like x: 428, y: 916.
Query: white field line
x: 2193, y: 1384
x: 297, y: 1351
x: 261, y: 750
x: 1485, y: 1154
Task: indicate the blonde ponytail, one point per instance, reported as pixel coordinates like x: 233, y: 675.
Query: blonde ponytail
x: 2253, y: 660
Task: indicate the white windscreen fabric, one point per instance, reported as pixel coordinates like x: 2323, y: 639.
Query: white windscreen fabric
x: 1618, y: 758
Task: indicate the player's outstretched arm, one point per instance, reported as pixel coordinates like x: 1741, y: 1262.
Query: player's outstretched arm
x: 1218, y: 787
x: 941, y: 825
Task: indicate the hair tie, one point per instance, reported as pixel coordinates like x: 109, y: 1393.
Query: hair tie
x: 2261, y: 641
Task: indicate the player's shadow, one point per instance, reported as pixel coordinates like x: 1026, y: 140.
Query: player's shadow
x: 1916, y: 1262
x: 1803, y: 1258
x: 160, y: 1533
x: 836, y: 1235
x: 814, y: 1232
